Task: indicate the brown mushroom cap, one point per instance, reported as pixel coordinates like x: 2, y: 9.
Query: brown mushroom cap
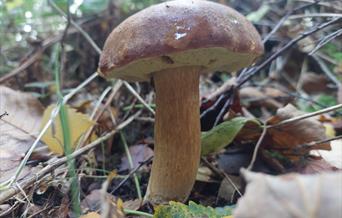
x: 176, y: 34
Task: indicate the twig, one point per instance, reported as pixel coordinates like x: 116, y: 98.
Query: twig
x: 145, y: 162
x: 305, y: 116
x: 256, y: 149
x: 130, y: 161
x: 243, y: 78
x: 329, y: 4
x: 72, y: 22
x: 326, y: 70
x: 95, y: 117
x: 4, y: 114
x: 228, y: 103
x: 247, y: 73
x: 45, y: 128
x: 33, y: 58
x: 98, y: 50
x: 322, y: 141
x: 297, y: 16
x: 285, y: 17
x: 11, y: 191
x: 326, y: 39
x: 130, y: 88
x: 294, y: 119
x: 220, y: 173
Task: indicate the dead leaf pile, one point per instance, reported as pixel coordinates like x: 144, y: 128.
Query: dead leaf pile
x: 17, y: 130
x: 291, y: 195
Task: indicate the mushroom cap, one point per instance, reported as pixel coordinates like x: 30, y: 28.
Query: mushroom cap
x: 176, y: 34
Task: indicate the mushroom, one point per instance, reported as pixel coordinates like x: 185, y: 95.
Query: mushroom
x: 173, y: 42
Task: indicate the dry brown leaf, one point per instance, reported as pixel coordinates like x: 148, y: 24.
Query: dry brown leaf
x: 265, y: 97
x: 334, y: 156
x: 18, y: 129
x: 290, y: 196
x: 92, y: 201
x: 316, y: 165
x: 313, y: 83
x: 286, y: 138
x: 139, y: 153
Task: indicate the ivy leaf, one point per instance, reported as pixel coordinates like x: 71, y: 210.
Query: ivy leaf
x: 179, y: 210
x: 220, y: 136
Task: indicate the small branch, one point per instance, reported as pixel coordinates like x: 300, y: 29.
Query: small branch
x: 326, y: 39
x: 305, y: 116
x: 322, y: 141
x: 297, y: 16
x: 220, y: 173
x: 4, y: 114
x: 244, y: 77
x: 130, y: 88
x: 256, y: 149
x: 98, y: 50
x: 27, y: 182
x: 326, y: 70
x: 225, y: 107
x: 149, y: 160
x: 285, y: 17
x: 33, y: 58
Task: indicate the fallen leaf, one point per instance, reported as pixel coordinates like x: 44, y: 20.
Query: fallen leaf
x: 17, y: 130
x: 92, y: 201
x: 132, y: 204
x: 78, y: 125
x: 334, y: 156
x: 227, y: 190
x: 291, y: 195
x: 220, y: 136
x: 91, y: 215
x: 314, y: 165
x: 313, y: 83
x: 286, y: 138
x: 329, y: 130
x: 262, y: 97
x: 139, y: 153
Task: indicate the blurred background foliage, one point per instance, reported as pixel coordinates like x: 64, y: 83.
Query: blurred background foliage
x: 26, y: 22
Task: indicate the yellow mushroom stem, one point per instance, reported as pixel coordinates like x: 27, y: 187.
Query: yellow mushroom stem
x: 177, y: 135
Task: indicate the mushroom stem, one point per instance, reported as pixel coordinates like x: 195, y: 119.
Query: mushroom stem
x: 177, y: 135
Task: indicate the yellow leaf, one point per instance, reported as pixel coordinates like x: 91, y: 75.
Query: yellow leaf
x: 78, y: 125
x: 91, y: 215
x: 329, y: 130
